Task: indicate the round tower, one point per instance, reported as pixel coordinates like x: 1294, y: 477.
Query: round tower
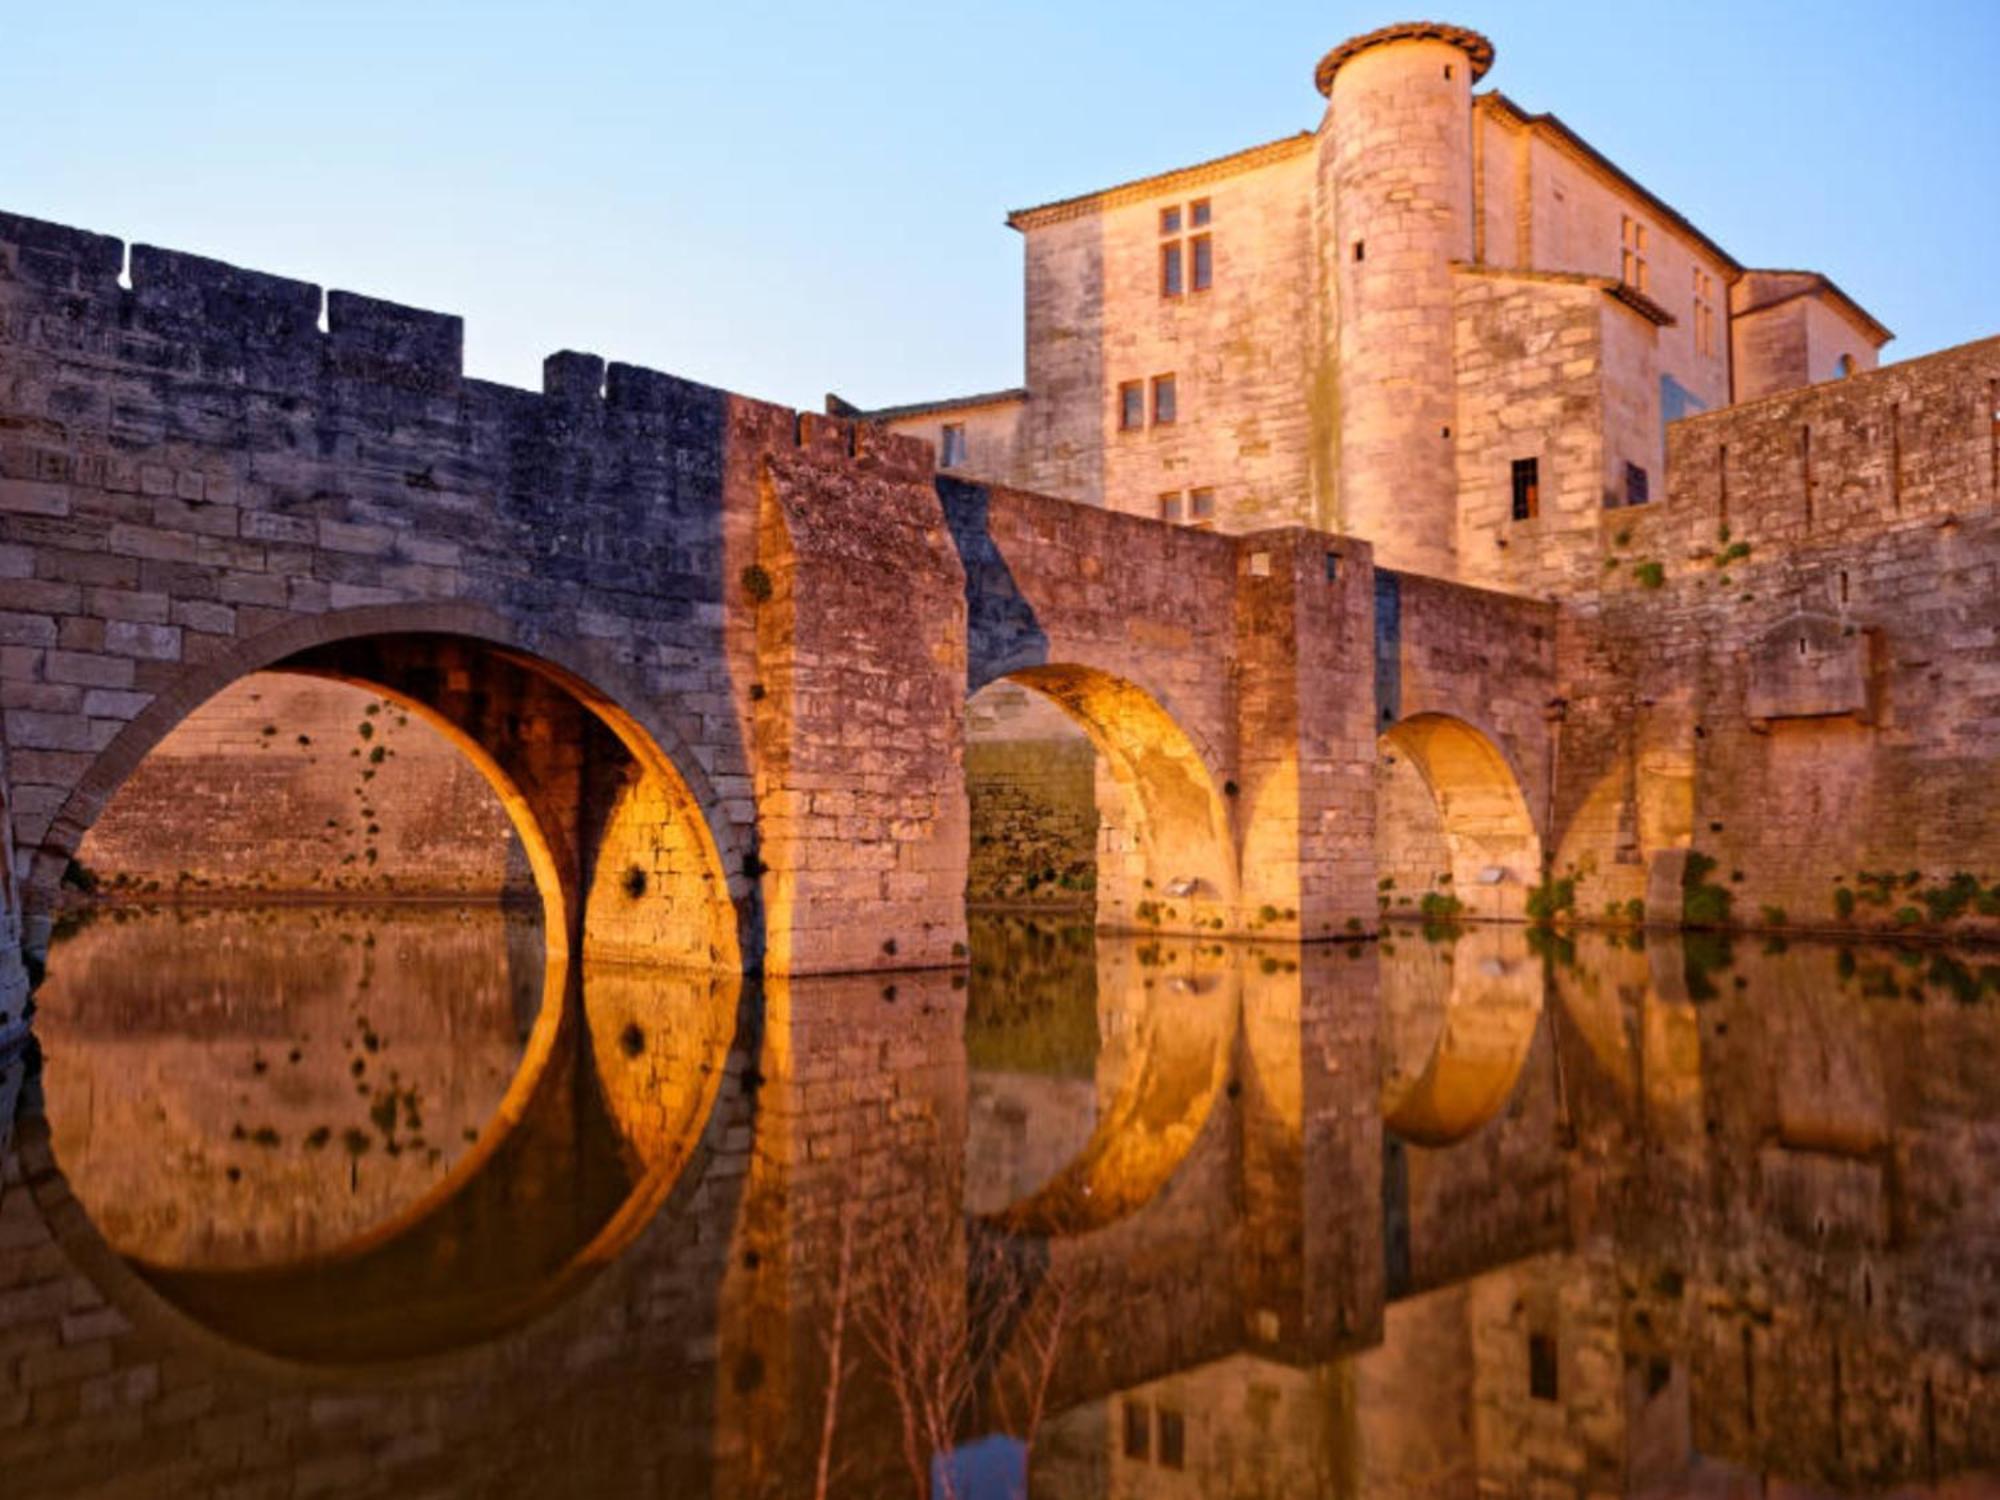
x: 1396, y: 176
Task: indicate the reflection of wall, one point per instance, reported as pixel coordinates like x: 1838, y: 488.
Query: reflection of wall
x: 249, y: 1086
x: 1020, y: 1131
x: 1241, y: 1428
x: 283, y: 783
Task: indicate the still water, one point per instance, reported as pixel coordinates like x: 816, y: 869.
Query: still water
x: 1463, y: 1212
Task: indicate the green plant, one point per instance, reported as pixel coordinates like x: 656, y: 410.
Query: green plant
x: 1703, y: 903
x: 1843, y: 903
x: 1908, y: 916
x: 1437, y: 906
x: 1549, y: 901
x: 1774, y: 916
x: 1651, y: 575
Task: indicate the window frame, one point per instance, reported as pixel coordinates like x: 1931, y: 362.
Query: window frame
x: 1201, y: 504
x: 1173, y: 506
x: 1138, y: 1443
x: 952, y: 446
x: 1170, y: 1438
x: 1172, y: 406
x: 1201, y: 262
x: 1131, y: 404
x: 1173, y: 277
x: 1641, y: 491
x: 1525, y: 481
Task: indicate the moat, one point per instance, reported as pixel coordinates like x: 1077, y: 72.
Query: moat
x: 1476, y: 1209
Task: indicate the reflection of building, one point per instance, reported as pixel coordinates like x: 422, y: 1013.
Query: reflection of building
x: 1436, y: 320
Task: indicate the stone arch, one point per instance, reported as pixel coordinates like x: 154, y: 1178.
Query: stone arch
x: 641, y: 993
x: 598, y: 697
x: 1452, y: 820
x: 1165, y: 856
x: 1459, y: 1021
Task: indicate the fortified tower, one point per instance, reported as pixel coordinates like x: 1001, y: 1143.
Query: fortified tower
x: 1396, y: 181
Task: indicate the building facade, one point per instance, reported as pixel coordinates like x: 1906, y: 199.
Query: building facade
x: 1436, y: 321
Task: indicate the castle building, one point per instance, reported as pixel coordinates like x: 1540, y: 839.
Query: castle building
x: 1437, y: 321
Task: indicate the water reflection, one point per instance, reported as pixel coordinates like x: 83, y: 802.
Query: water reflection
x: 244, y: 1086
x: 1458, y: 1213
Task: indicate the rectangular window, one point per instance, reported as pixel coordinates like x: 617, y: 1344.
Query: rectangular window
x: 1201, y: 505
x: 1170, y: 506
x: 1704, y: 312
x: 1541, y: 1367
x: 1632, y: 244
x: 1131, y: 406
x: 951, y: 451
x: 1527, y: 488
x: 1173, y: 1439
x: 1170, y: 221
x: 1204, y: 262
x: 1198, y: 213
x: 1170, y: 269
x: 1138, y: 1430
x: 1635, y: 485
x: 1163, y: 400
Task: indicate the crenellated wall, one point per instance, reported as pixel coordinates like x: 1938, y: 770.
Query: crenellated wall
x: 1790, y: 665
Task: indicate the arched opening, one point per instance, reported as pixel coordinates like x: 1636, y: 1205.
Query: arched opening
x: 317, y: 1072
x: 1454, y: 839
x: 1087, y: 797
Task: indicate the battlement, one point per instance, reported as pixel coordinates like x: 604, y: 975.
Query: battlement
x: 1916, y: 443
x: 168, y: 309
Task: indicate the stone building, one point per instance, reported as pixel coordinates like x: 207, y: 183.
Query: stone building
x: 1437, y: 320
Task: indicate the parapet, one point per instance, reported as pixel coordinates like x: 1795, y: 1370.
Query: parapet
x: 225, y: 323
x: 1478, y: 50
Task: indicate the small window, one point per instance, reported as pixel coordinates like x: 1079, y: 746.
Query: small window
x: 1541, y: 1367
x: 1204, y: 262
x: 1527, y: 489
x: 952, y: 449
x: 1163, y: 400
x: 1201, y: 505
x: 1632, y: 246
x: 1704, y: 312
x: 1170, y: 269
x: 1360, y: 250
x: 1170, y: 506
x: 1138, y: 1430
x: 1170, y: 221
x: 1198, y: 213
x: 1131, y: 406
x: 1635, y: 485
x: 1173, y: 1439
x: 1844, y: 367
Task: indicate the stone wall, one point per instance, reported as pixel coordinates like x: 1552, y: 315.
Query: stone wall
x: 1790, y: 666
x: 285, y: 785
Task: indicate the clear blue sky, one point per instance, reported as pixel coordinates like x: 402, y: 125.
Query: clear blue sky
x: 787, y: 198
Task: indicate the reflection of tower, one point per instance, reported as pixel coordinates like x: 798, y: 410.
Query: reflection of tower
x: 1396, y: 168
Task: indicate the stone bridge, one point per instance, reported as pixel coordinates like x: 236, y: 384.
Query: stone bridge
x: 712, y: 653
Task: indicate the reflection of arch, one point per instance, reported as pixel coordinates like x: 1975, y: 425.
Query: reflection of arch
x: 622, y: 1064
x: 1469, y: 1011
x: 1172, y: 866
x: 578, y: 1160
x: 1482, y: 820
x: 1166, y: 1019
